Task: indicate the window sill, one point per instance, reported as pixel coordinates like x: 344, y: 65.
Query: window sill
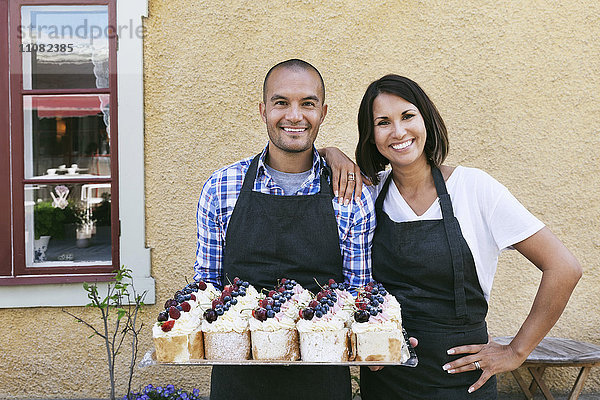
x: 62, y: 294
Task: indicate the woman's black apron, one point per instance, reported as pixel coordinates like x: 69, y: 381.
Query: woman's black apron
x: 429, y: 267
x: 271, y: 237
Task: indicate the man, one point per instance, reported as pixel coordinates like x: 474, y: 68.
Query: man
x: 274, y: 216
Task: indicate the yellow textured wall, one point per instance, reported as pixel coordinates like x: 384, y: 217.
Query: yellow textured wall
x: 518, y: 84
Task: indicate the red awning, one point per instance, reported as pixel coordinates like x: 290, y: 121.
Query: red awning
x: 68, y: 106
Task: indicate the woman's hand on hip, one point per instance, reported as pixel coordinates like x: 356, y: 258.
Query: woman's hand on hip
x: 492, y: 358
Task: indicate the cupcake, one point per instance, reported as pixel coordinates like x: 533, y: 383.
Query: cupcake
x: 177, y: 334
x: 225, y: 325
x: 322, y: 329
x: 377, y: 328
x: 273, y: 323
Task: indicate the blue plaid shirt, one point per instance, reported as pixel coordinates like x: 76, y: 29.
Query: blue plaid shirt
x: 356, y: 221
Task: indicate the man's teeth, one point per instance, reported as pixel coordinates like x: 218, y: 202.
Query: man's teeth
x: 294, y: 129
x: 402, y: 145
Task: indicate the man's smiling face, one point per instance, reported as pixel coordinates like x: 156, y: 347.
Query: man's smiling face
x: 293, y: 109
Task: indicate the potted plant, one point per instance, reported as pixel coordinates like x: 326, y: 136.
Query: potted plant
x: 48, y: 222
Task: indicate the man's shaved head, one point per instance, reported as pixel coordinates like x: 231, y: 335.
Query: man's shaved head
x: 294, y: 64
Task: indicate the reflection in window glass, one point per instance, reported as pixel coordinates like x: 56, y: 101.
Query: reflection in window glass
x: 67, y: 136
x: 64, y: 47
x: 67, y: 224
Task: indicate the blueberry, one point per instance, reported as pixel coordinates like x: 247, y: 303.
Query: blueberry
x: 187, y: 297
x: 269, y: 307
x: 179, y: 308
x: 375, y: 290
x: 383, y: 292
x: 234, y: 301
x: 270, y: 313
x: 373, y: 311
x: 276, y: 303
x: 245, y: 284
x: 318, y: 314
x: 333, y: 286
x: 226, y: 299
x: 330, y: 303
x: 220, y: 311
x: 234, y: 293
x: 288, y: 296
x: 283, y: 299
x: 276, y: 309
x: 180, y: 299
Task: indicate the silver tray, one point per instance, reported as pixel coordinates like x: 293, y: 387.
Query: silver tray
x: 149, y: 359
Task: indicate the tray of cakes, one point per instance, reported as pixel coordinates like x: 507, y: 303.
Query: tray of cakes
x: 284, y: 325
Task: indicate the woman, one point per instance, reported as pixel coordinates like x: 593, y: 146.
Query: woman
x: 439, y: 232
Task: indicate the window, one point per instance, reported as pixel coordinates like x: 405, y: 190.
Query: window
x: 58, y: 100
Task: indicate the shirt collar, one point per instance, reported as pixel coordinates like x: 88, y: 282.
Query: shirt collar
x: 315, y: 169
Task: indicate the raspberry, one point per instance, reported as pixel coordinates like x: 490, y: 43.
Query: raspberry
x: 201, y: 285
x: 167, y: 326
x: 174, y: 312
x: 193, y: 297
x: 185, y: 306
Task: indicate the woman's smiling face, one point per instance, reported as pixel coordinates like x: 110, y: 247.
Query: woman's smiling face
x: 399, y: 130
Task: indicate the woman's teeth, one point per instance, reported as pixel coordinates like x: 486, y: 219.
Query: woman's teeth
x: 402, y: 145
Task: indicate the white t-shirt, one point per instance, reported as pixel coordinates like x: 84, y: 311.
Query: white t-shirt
x: 491, y: 219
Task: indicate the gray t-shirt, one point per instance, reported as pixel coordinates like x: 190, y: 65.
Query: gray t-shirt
x: 289, y: 182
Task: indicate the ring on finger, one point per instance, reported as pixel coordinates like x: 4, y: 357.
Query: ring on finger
x: 477, y: 365
x: 351, y: 176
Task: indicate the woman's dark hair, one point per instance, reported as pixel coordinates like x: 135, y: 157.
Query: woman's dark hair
x: 369, y: 159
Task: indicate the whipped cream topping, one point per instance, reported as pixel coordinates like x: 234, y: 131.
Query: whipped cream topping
x: 187, y: 323
x: 329, y: 322
x: 230, y: 321
x: 205, y: 297
x: 245, y: 304
x: 375, y: 325
x: 281, y: 321
x: 391, y: 309
x: 291, y: 308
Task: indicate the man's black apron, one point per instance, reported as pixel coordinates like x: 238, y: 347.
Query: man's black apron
x: 271, y: 237
x: 429, y: 267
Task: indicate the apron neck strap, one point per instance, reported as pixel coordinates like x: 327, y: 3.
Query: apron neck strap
x: 440, y: 187
x: 453, y: 234
x: 325, y: 172
x: 383, y: 193
x: 250, y: 177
